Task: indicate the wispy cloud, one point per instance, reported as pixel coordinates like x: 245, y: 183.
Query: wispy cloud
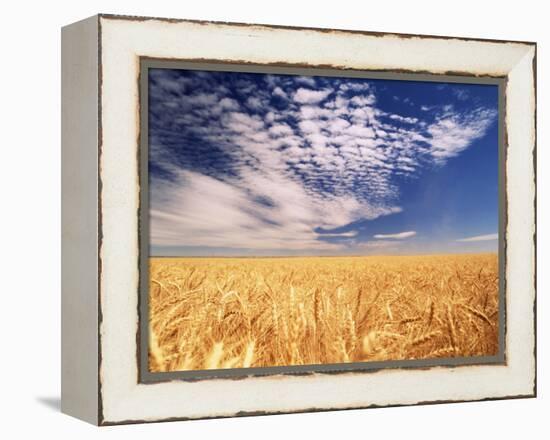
x: 255, y: 211
x: 398, y: 236
x: 404, y: 119
x: 349, y: 234
x: 461, y: 93
x: 452, y: 132
x: 486, y: 237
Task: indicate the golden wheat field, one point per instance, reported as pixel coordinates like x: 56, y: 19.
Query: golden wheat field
x: 210, y: 313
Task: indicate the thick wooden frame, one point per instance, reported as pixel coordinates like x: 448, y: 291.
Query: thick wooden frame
x: 101, y: 199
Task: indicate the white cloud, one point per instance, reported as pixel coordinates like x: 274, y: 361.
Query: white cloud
x: 281, y: 130
x: 307, y: 96
x: 486, y: 237
x: 362, y: 101
x: 203, y: 99
x: 404, y: 119
x: 228, y: 104
x: 355, y: 87
x: 349, y: 234
x: 242, y: 122
x: 360, y: 131
x: 314, y: 112
x: 453, y: 133
x: 397, y: 236
x: 308, y: 126
x: 255, y: 103
x: 277, y: 91
x: 306, y: 80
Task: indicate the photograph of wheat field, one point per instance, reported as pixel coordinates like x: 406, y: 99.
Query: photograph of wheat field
x: 313, y: 220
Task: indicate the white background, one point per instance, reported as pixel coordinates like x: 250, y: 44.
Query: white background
x: 30, y: 217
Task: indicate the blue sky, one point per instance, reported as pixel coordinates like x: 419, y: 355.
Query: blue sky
x: 262, y: 164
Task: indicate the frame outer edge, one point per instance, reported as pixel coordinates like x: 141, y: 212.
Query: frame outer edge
x: 100, y: 419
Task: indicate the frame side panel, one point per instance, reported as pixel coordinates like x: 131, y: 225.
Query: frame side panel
x: 79, y: 182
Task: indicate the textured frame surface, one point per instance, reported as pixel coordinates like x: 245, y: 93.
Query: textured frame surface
x: 122, y: 42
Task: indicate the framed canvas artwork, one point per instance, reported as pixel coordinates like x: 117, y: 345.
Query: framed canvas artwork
x: 277, y: 220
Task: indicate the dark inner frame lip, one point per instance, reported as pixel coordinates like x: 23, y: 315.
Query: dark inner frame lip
x: 142, y: 336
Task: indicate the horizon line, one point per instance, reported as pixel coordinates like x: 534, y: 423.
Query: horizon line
x: 323, y: 256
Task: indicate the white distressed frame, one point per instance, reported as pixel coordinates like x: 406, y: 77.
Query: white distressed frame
x: 122, y: 41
